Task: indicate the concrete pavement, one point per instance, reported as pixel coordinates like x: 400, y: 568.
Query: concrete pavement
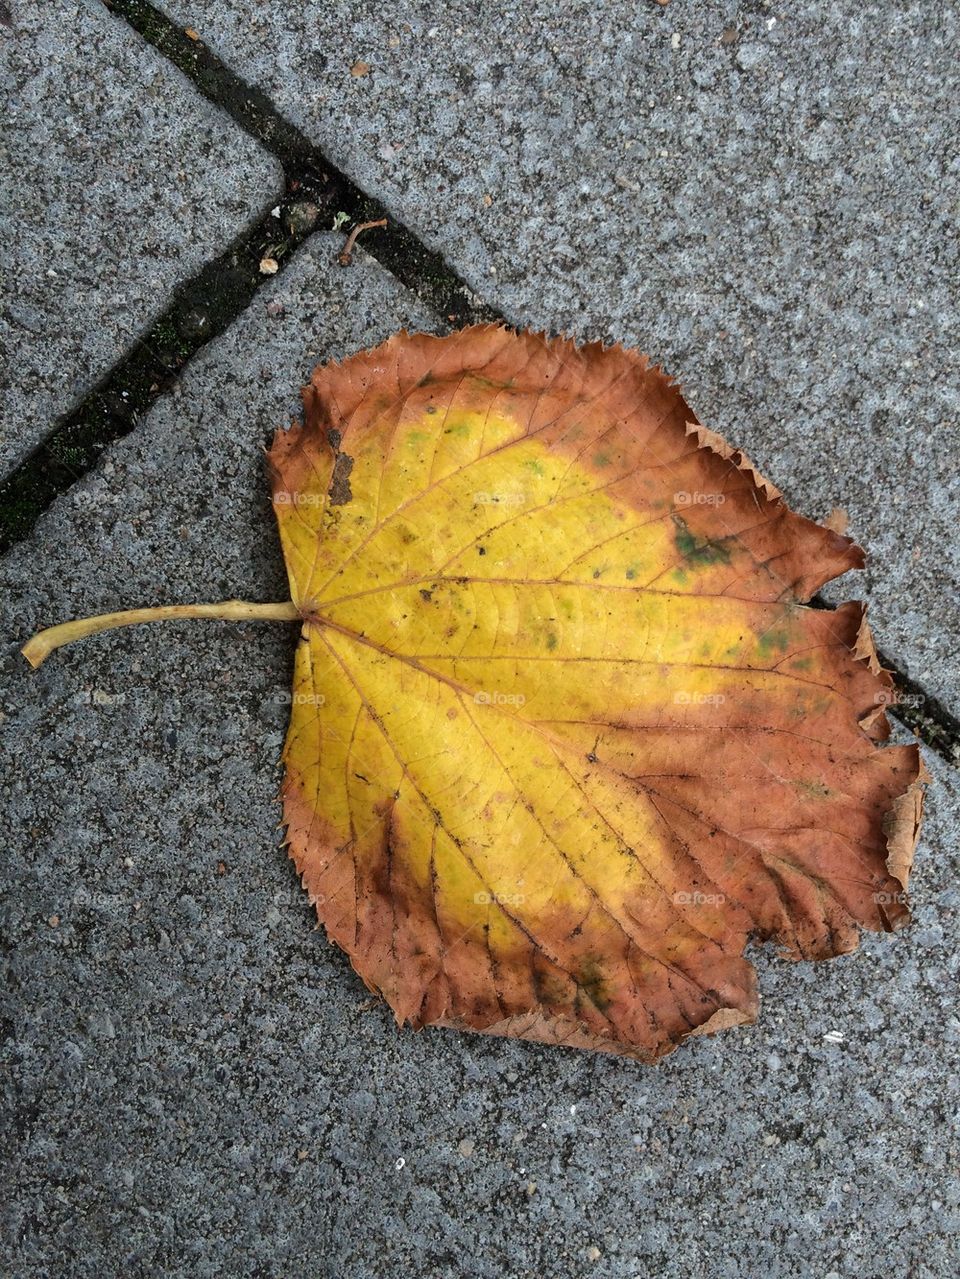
x: 195, y: 1082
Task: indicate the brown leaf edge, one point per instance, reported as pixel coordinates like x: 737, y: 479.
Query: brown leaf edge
x: 901, y: 823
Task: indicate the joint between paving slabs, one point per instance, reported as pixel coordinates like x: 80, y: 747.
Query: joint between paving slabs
x: 307, y: 170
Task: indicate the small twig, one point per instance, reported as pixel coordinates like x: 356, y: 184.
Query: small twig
x: 346, y: 256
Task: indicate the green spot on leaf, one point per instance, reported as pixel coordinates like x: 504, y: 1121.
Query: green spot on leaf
x: 698, y: 551
x: 592, y: 980
x: 771, y: 642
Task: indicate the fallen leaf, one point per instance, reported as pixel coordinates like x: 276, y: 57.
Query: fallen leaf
x: 564, y: 736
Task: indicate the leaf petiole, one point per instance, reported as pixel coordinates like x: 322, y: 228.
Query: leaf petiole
x: 44, y: 642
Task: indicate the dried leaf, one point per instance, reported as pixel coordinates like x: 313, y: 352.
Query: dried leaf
x: 564, y: 735
x: 838, y: 520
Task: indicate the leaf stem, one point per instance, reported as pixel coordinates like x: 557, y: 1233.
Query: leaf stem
x: 44, y: 642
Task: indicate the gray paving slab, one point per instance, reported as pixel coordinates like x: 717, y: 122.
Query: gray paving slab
x: 760, y: 195
x: 121, y: 182
x: 199, y: 1084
